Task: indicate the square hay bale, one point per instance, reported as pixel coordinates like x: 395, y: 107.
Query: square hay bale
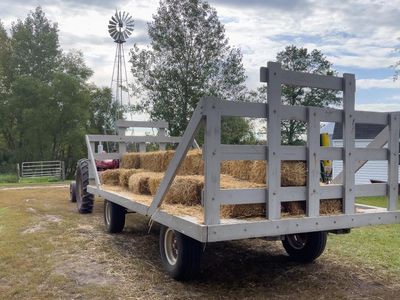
x: 184, y: 190
x: 241, y: 169
x: 242, y: 211
x: 139, y: 182
x: 293, y: 173
x: 125, y: 174
x: 130, y: 160
x: 110, y: 176
x: 153, y: 161
x: 258, y: 171
x: 192, y: 164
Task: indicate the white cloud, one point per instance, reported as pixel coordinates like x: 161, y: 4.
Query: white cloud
x: 381, y: 107
x: 386, y: 83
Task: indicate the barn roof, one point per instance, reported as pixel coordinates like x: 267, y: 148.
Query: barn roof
x: 363, y: 131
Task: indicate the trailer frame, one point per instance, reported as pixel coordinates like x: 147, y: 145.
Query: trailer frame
x: 208, y: 113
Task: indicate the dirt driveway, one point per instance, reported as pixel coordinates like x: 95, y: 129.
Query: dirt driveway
x: 50, y: 251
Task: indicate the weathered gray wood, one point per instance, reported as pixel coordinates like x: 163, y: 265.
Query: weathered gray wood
x: 142, y: 147
x: 380, y: 140
x: 298, y: 112
x: 103, y: 156
x: 371, y: 154
x: 143, y: 124
x: 371, y: 117
x: 331, y: 153
x: 242, y: 196
x: 133, y: 139
x: 393, y: 161
x: 121, y: 145
x: 274, y: 140
x: 240, y: 229
x: 161, y: 132
x: 259, y: 152
x: 212, y: 162
x: 241, y: 109
x: 92, y: 162
x: 313, y: 163
x: 180, y: 153
x: 349, y: 142
x: 349, y: 88
x: 305, y: 79
x: 373, y: 190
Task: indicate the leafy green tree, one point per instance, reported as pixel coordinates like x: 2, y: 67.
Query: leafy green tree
x: 45, y: 103
x: 188, y: 58
x: 35, y: 46
x: 103, y: 111
x: 301, y: 60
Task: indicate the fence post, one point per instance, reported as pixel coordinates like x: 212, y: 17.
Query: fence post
x: 63, y: 170
x: 18, y: 174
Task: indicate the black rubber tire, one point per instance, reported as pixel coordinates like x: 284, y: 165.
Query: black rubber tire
x: 84, y: 200
x: 72, y: 191
x: 115, y: 221
x: 187, y: 264
x: 312, y: 246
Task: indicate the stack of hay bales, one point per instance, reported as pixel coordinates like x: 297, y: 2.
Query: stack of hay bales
x: 142, y: 173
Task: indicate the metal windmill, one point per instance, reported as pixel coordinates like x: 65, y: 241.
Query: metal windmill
x: 120, y: 27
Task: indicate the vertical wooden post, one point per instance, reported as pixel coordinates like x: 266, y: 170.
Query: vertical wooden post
x: 313, y: 161
x: 121, y: 145
x: 349, y: 89
x: 91, y: 170
x: 161, y: 132
x: 393, y: 161
x: 274, y: 141
x: 212, y: 163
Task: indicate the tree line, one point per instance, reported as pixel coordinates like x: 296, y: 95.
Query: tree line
x: 47, y: 103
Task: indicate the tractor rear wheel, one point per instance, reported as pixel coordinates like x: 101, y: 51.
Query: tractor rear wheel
x: 72, y: 191
x: 84, y: 200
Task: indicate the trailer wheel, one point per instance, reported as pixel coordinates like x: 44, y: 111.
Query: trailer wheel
x: 72, y: 191
x: 114, y: 217
x: 305, y: 247
x: 180, y: 254
x: 84, y: 200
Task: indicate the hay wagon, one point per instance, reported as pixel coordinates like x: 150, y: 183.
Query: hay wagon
x: 185, y: 230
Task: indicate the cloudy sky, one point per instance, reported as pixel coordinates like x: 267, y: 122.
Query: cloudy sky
x: 357, y: 36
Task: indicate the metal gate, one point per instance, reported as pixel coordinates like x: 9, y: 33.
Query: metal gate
x: 43, y: 169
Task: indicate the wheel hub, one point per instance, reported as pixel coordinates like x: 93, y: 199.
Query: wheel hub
x: 171, y: 246
x: 297, y: 241
x: 108, y: 212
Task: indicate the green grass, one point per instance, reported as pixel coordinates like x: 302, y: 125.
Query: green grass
x: 39, y: 179
x: 8, y: 178
x: 375, y: 246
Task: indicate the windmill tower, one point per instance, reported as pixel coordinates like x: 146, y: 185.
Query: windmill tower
x: 120, y: 27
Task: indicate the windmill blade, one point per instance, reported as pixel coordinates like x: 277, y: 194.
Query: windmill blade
x: 111, y: 27
x: 125, y: 35
x: 112, y: 23
x: 129, y: 32
x: 114, y: 19
x: 123, y: 16
x: 119, y: 14
x: 114, y: 35
x: 112, y: 32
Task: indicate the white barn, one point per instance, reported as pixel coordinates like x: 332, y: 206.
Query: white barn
x: 365, y: 133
